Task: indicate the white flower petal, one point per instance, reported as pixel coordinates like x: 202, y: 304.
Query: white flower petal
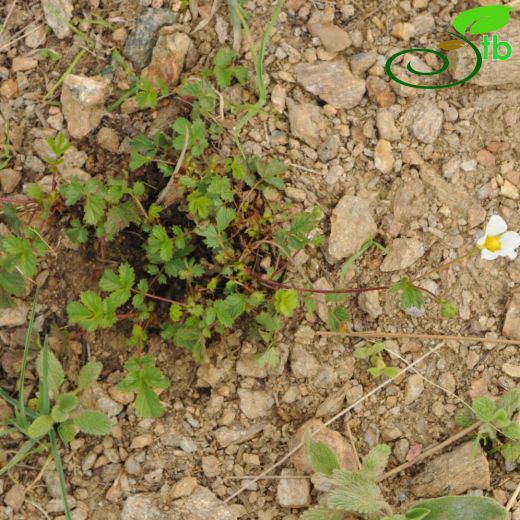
x: 481, y: 240
x: 486, y: 254
x: 510, y: 241
x: 496, y: 226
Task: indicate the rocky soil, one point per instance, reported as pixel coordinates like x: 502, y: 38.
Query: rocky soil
x: 419, y: 170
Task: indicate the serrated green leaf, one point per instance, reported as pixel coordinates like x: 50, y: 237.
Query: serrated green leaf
x: 147, y: 404
x: 22, y: 254
x: 93, y: 422
x: 462, y: 508
x: 224, y: 217
x: 356, y: 493
x: 336, y: 317
x: 175, y: 312
x: 89, y: 374
x: 93, y: 312
x: 160, y: 243
x: 94, y: 209
x: 119, y: 285
x: 40, y: 426
x: 286, y: 301
x: 230, y: 309
x: 120, y: 217
x: 320, y: 457
x: 269, y: 358
x: 375, y: 462
x: 138, y: 160
x: 484, y: 408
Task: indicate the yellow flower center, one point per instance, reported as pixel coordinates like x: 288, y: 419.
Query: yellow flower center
x: 492, y: 243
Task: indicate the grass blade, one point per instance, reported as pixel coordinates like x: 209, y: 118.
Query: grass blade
x: 28, y: 336
x: 61, y: 475
x: 44, y: 379
x: 23, y: 452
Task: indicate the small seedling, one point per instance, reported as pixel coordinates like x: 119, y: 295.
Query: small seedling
x: 497, y: 427
x: 50, y: 54
x: 144, y: 378
x: 224, y: 70
x: 373, y: 354
x: 358, y: 492
x: 54, y: 412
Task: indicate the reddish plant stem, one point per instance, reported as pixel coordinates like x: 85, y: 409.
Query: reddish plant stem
x: 13, y: 200
x: 279, y: 285
x: 158, y: 298
x: 125, y: 316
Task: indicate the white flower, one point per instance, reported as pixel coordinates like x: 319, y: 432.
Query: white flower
x: 497, y: 241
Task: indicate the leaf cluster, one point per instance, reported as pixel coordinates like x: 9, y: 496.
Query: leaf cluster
x: 497, y: 425
x: 358, y: 492
x: 373, y: 354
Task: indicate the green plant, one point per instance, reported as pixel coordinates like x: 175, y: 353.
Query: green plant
x: 144, y: 378
x: 224, y: 70
x: 148, y: 93
x: 373, y: 354
x: 358, y: 492
x: 56, y: 411
x: 18, y: 256
x: 497, y: 427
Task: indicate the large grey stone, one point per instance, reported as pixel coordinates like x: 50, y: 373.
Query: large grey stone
x: 141, y: 41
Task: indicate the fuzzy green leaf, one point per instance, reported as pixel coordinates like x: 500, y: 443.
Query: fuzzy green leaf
x: 356, y: 493
x: 321, y: 458
x: 89, y: 374
x: 56, y: 375
x: 67, y: 402
x: 58, y: 415
x: 375, y: 462
x: 67, y: 431
x: 484, y: 408
x: 465, y: 417
x: 462, y: 508
x: 511, y: 431
x: 510, y: 402
x: 40, y: 426
x: 510, y: 451
x: 322, y: 513
x: 93, y: 422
